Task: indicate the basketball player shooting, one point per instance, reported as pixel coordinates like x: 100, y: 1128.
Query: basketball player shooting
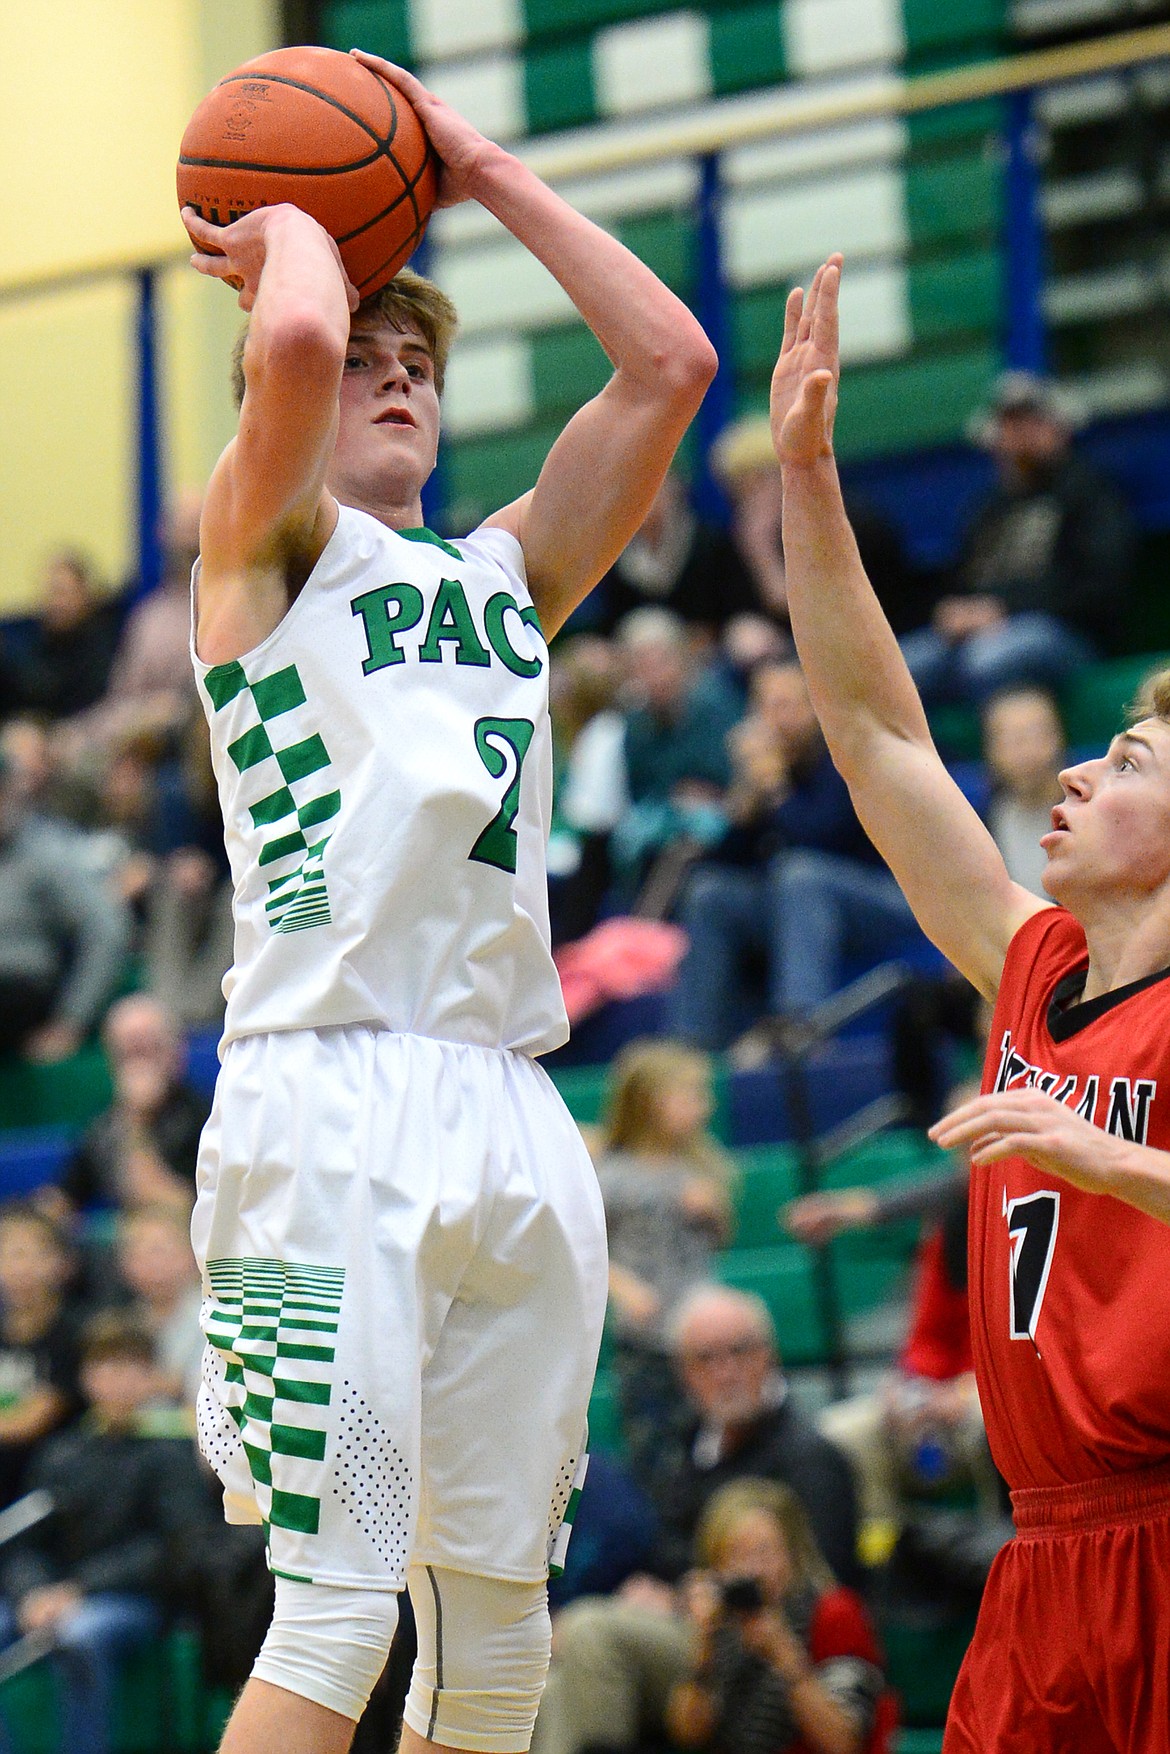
x: 400, y: 1231
x: 1070, y: 1142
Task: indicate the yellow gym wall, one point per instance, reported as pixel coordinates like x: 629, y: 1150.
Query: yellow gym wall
x: 95, y: 99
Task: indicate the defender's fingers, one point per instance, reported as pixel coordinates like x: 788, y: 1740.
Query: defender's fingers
x: 810, y: 305
x: 794, y: 305
x: 826, y: 324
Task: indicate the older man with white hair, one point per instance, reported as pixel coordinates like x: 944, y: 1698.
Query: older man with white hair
x: 615, y: 1657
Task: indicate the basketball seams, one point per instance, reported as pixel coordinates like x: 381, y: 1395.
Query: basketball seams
x: 283, y: 170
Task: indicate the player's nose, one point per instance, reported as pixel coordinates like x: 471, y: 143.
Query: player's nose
x: 1077, y: 781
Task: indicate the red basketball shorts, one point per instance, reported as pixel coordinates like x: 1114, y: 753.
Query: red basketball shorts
x: 1071, y: 1654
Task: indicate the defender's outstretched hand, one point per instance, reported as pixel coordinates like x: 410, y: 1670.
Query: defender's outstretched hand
x: 1046, y: 1133
x: 804, y: 383
x: 458, y: 146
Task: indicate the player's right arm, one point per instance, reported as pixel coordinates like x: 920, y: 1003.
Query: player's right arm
x: 267, y: 514
x: 942, y: 855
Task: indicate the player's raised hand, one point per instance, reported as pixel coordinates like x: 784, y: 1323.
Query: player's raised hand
x: 804, y: 383
x: 236, y: 253
x: 1046, y: 1133
x: 458, y: 146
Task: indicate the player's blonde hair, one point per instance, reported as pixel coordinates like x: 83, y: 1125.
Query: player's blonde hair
x: 1153, y: 700
x: 408, y: 301
x: 726, y: 1510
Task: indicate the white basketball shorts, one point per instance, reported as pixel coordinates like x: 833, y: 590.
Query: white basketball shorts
x: 403, y: 1253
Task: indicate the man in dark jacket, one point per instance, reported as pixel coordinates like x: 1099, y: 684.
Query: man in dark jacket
x: 88, y: 1583
x: 1046, y: 562
x: 793, y: 886
x: 743, y: 1424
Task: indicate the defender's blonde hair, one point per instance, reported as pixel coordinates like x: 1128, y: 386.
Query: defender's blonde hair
x: 409, y: 301
x: 1153, y: 700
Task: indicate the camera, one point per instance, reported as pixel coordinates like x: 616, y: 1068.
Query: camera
x: 741, y: 1595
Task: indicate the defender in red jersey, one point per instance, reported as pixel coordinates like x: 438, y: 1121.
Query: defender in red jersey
x: 1069, y: 1142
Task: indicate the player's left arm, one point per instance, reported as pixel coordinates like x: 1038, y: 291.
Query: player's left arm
x: 603, y: 471
x: 1058, y: 1141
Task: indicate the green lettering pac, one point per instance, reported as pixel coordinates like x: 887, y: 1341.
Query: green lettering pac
x: 451, y: 621
x: 381, y: 626
x: 493, y: 622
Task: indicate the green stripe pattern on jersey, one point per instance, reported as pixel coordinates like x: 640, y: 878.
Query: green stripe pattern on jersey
x: 275, y: 1323
x: 298, y: 897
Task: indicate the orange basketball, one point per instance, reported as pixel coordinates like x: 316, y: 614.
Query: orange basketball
x: 315, y: 128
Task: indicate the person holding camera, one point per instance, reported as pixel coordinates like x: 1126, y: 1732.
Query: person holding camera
x: 782, y: 1657
x: 758, y: 1651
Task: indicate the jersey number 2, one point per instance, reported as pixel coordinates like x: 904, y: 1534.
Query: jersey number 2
x: 501, y: 745
x: 1032, y: 1223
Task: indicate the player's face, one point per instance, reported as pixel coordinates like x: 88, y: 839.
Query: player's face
x: 1111, y: 834
x: 388, y: 427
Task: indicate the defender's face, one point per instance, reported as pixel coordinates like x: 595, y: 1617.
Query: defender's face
x: 388, y: 426
x: 1111, y: 834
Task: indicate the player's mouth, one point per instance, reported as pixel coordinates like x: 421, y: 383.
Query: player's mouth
x: 1059, y: 827
x: 395, y: 417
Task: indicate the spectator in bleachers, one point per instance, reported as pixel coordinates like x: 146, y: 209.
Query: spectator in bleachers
x: 1045, y: 567
x: 1024, y: 749
x: 38, y: 1339
x: 141, y: 1151
x: 792, y: 885
x: 677, y: 563
x: 63, y: 934
x: 740, y: 1420
x: 589, y: 787
x: 92, y: 1579
x: 674, y: 762
x: 157, y: 1268
x: 760, y: 1651
x: 152, y: 684
x: 666, y: 1185
x: 66, y: 665
x: 745, y: 463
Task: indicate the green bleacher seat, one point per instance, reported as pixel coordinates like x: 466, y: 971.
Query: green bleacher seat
x: 767, y: 1180
x: 922, y: 1660
x: 919, y: 1742
x: 68, y: 1094
x: 162, y: 1703
x: 583, y: 1091
x: 1096, y: 701
x: 605, y: 1419
x: 783, y: 1277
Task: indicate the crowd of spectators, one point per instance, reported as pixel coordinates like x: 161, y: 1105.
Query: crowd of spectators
x: 715, y: 1593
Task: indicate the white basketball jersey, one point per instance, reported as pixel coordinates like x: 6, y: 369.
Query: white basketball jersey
x: 384, y: 761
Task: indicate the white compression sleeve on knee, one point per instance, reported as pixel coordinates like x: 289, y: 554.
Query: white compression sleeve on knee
x: 328, y: 1644
x: 483, y: 1649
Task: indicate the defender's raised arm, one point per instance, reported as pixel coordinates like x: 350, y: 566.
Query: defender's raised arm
x: 946, y: 862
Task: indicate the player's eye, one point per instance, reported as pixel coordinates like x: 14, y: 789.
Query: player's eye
x: 353, y: 361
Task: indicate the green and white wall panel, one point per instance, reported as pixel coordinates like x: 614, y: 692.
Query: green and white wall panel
x: 913, y: 203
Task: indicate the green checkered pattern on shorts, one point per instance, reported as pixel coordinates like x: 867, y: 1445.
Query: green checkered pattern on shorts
x: 297, y: 894
x: 275, y: 1322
